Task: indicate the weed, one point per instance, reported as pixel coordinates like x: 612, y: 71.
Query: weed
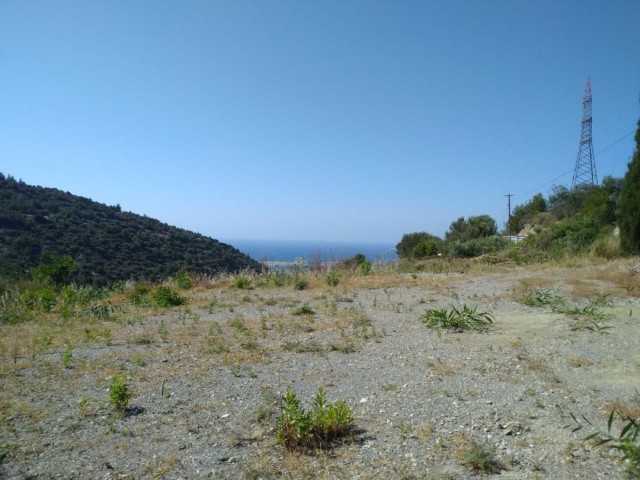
x: 140, y: 295
x: 162, y: 331
x: 298, y: 429
x: 66, y: 356
x: 305, y: 309
x: 165, y: 296
x: 332, y: 278
x: 541, y: 297
x: 303, y: 347
x: 119, y: 393
x: 458, y: 320
x: 243, y: 282
x: 626, y: 443
x: 107, y: 337
x: 591, y: 326
x: 482, y: 459
x: 184, y: 280
x: 301, y: 283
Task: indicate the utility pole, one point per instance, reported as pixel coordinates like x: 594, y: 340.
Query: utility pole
x: 585, y: 171
x: 508, y: 195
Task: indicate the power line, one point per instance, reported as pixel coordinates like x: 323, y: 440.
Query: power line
x: 537, y: 189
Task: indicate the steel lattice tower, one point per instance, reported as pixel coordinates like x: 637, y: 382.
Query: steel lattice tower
x: 585, y: 171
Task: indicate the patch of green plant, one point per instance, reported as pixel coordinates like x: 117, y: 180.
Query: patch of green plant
x: 140, y: 295
x: 165, y: 296
x: 366, y: 268
x: 12, y: 310
x: 66, y: 356
x: 162, y: 331
x: 332, y: 278
x: 103, y: 311
x: 243, y: 282
x: 304, y: 309
x: 301, y: 282
x: 481, y: 458
x: 107, y: 337
x: 344, y: 347
x: 276, y: 279
x: 303, y: 347
x: 541, y: 297
x: 457, y: 319
x: 591, y: 326
x: 43, y: 298
x: 119, y: 393
x: 299, y: 429
x: 626, y: 443
x: 184, y: 280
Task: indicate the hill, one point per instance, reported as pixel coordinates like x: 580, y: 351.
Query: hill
x: 106, y: 243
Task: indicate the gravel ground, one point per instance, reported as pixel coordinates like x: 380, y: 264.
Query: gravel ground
x: 207, y: 383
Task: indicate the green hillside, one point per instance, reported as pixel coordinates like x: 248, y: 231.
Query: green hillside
x: 106, y: 243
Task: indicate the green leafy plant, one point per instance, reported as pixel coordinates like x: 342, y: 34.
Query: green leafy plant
x: 301, y: 282
x: 332, y: 278
x: 541, y: 297
x: 119, y: 393
x: 458, y: 320
x: 184, y: 280
x: 304, y: 309
x: 66, y: 356
x: 165, y: 296
x: 481, y: 458
x: 626, y: 443
x: 298, y: 429
x: 243, y: 282
x: 140, y: 295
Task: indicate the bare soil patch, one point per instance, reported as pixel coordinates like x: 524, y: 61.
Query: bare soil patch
x: 207, y: 380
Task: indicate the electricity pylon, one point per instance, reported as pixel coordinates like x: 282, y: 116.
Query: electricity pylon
x: 585, y: 171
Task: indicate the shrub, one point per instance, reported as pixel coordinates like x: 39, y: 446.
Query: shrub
x: 301, y: 282
x: 184, y: 280
x: 408, y: 247
x: 482, y: 459
x: 365, y: 267
x: 607, y: 247
x: 478, y: 246
x: 119, y: 393
x: 165, y: 296
x: 243, y: 282
x: 298, y: 429
x: 140, y: 295
x: 332, y: 278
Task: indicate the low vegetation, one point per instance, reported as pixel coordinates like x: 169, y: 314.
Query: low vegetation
x: 320, y: 427
x: 458, y: 319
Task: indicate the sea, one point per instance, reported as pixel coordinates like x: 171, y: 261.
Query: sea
x: 283, y: 253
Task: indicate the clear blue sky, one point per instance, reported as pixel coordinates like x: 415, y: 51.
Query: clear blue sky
x: 313, y: 120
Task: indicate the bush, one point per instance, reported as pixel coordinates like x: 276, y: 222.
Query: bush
x: 140, y: 295
x: 332, y: 278
x: 119, y: 393
x: 243, y: 282
x: 184, y: 280
x: 479, y: 246
x: 298, y: 429
x: 417, y: 245
x: 167, y: 297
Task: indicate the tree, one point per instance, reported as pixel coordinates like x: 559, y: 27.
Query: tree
x: 474, y: 227
x: 629, y: 206
x: 523, y: 213
x: 418, y: 245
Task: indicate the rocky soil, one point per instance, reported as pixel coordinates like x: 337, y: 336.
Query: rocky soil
x: 207, y: 381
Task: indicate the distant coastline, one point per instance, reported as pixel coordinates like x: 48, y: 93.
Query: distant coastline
x: 285, y: 252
